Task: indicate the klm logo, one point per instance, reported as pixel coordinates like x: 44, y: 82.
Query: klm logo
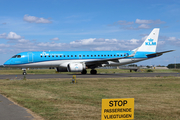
x: 150, y: 42
x: 76, y: 66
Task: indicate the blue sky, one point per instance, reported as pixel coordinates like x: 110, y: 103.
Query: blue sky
x: 73, y: 25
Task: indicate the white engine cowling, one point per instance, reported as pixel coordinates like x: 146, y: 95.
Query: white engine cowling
x: 59, y: 69
x: 76, y: 67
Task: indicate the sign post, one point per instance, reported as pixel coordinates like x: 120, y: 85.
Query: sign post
x: 74, y: 79
x: 117, y: 109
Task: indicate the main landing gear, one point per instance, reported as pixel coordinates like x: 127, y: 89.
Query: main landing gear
x: 92, y: 72
x: 84, y: 72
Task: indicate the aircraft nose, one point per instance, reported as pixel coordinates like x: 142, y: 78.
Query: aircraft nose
x: 7, y: 63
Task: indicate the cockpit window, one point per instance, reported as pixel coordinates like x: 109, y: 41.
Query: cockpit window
x: 18, y: 56
x: 14, y: 56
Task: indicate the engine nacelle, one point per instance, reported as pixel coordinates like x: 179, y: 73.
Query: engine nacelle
x: 59, y: 69
x: 76, y: 67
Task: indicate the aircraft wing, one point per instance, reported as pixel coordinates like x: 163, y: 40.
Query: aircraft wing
x: 105, y: 61
x: 102, y: 61
x: 158, y: 53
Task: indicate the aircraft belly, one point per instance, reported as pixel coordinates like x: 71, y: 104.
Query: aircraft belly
x: 123, y: 62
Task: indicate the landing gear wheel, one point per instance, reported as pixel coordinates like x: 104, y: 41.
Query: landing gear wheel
x: 84, y: 72
x: 24, y: 73
x: 93, y: 72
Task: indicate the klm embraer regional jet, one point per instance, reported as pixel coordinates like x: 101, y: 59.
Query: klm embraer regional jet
x: 79, y: 61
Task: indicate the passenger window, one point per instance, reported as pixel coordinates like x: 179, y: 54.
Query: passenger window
x: 52, y: 55
x: 121, y: 55
x: 83, y: 55
x: 104, y: 55
x: 117, y: 55
x: 108, y: 55
x: 56, y: 55
x: 67, y: 55
x: 87, y: 55
x: 41, y: 55
x: 79, y: 55
x: 98, y: 55
x: 91, y: 55
x: 60, y: 55
x: 111, y: 55
x: 45, y: 56
x: 64, y: 56
x: 75, y: 55
x: 71, y: 55
x: 94, y: 55
x: 49, y: 55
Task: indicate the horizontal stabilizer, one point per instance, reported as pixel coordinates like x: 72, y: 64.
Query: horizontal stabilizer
x: 158, y: 53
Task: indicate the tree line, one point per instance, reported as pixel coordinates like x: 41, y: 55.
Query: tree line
x: 174, y: 65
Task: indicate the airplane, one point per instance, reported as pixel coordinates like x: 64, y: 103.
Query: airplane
x: 79, y: 61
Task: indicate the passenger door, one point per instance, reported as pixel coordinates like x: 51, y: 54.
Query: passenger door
x: 30, y: 57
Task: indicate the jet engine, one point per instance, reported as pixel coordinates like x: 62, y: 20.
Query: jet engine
x: 59, y: 69
x: 76, y: 67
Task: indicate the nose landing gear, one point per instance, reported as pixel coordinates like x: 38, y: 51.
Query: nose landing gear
x: 24, y: 71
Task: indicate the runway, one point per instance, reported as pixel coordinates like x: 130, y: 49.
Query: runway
x: 48, y: 76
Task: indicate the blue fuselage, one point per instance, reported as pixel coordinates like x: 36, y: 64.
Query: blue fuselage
x: 57, y: 58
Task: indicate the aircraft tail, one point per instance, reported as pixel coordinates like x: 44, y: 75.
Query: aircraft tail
x: 150, y: 43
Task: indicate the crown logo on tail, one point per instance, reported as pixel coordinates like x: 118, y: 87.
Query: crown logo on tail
x: 150, y: 40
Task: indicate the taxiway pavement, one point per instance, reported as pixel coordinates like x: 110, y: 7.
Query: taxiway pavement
x: 11, y: 111
x: 46, y: 76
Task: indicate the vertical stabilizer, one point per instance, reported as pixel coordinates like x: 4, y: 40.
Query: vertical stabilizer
x: 150, y: 43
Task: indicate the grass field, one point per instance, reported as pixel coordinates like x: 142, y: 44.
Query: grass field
x: 156, y: 98
x: 99, y: 71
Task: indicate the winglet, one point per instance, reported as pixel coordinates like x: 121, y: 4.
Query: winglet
x: 132, y: 55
